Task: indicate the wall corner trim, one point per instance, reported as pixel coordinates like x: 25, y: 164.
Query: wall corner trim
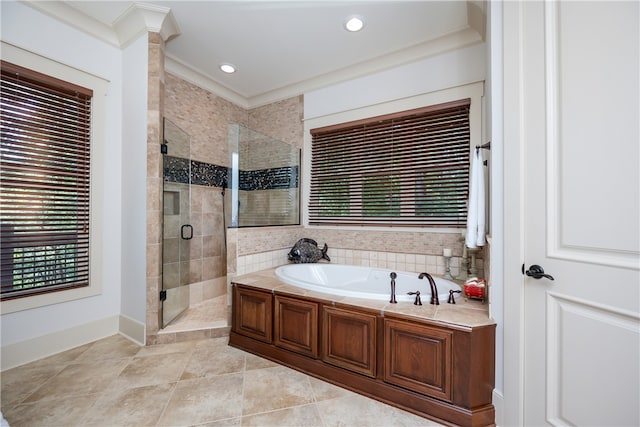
x: 132, y: 329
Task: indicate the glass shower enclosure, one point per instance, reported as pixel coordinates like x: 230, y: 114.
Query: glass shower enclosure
x: 265, y: 176
x: 177, y: 229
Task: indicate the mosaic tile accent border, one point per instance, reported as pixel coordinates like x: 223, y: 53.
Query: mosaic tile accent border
x: 176, y: 169
x: 269, y: 179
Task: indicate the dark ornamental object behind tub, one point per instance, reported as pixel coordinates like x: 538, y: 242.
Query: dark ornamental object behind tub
x: 307, y: 251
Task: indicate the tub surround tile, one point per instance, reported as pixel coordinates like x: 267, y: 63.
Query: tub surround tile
x: 424, y: 311
x: 468, y: 313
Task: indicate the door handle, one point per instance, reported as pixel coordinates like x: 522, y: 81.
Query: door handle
x: 188, y: 228
x: 536, y: 272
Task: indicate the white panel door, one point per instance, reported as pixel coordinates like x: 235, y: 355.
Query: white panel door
x: 581, y: 212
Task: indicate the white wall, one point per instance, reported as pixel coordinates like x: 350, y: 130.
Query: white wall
x: 21, y: 330
x: 134, y: 176
x: 443, y: 71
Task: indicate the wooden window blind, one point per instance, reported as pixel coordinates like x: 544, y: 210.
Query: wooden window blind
x: 405, y: 169
x: 45, y: 129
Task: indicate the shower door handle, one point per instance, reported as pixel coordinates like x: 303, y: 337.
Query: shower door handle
x: 186, y: 232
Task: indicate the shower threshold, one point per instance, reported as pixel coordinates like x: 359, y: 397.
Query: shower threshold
x: 208, y: 314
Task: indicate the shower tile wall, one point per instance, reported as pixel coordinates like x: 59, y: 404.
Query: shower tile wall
x: 206, y: 118
x: 268, y: 186
x: 155, y: 106
x: 208, y: 254
x: 198, y: 262
x: 280, y: 120
x: 175, y: 254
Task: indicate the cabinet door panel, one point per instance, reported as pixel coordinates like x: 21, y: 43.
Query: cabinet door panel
x: 296, y: 325
x: 418, y: 357
x: 253, y: 314
x: 349, y: 340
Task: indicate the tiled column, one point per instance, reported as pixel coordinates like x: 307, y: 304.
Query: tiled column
x: 155, y: 101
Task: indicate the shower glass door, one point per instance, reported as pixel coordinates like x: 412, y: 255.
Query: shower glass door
x: 177, y: 229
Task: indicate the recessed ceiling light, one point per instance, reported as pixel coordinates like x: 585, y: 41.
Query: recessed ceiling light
x: 354, y: 23
x: 228, y: 68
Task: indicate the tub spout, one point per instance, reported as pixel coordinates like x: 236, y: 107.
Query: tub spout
x: 434, y: 288
x: 393, y: 276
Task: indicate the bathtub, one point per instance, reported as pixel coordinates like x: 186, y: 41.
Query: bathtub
x: 361, y: 282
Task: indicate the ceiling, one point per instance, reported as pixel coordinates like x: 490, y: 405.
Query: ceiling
x: 285, y: 48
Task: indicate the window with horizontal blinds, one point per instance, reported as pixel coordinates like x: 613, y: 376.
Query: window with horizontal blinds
x: 405, y: 169
x: 45, y: 130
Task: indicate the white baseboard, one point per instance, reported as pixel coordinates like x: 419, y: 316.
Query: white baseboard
x: 498, y: 404
x: 33, y: 349
x: 132, y: 329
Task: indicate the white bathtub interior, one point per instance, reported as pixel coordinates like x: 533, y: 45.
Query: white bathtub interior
x: 360, y: 282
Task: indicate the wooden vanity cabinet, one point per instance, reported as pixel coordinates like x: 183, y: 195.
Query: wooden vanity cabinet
x: 296, y: 325
x: 252, y: 313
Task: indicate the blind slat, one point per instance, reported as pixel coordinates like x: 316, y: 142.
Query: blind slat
x: 409, y: 169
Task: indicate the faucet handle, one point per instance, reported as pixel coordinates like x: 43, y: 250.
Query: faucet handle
x: 417, y: 294
x: 451, y: 299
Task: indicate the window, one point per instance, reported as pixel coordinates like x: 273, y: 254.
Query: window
x: 406, y: 169
x: 45, y: 132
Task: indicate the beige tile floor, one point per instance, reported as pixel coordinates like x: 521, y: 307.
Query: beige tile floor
x: 114, y: 382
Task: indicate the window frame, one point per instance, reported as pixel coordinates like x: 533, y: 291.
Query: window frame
x: 32, y: 61
x: 473, y: 91
x: 46, y: 158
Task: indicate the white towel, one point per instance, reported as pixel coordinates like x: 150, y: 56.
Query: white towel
x: 475, y: 214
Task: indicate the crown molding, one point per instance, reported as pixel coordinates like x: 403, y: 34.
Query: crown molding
x: 142, y: 18
x: 138, y: 19
x: 200, y: 79
x: 71, y: 16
